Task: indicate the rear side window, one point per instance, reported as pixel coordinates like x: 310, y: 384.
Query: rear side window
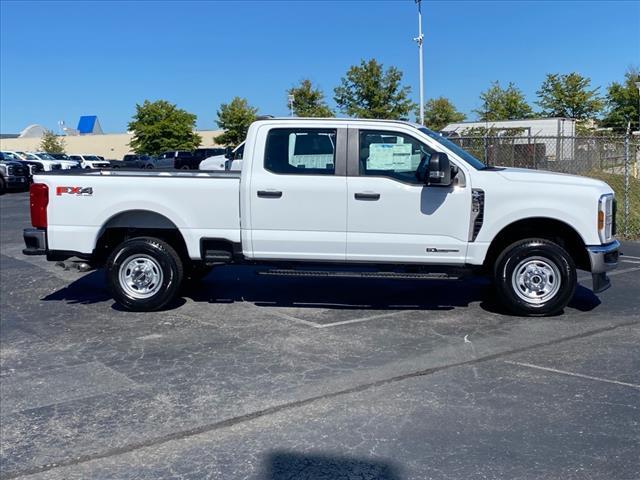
x: 301, y: 151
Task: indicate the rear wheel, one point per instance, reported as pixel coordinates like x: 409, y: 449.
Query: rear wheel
x: 3, y: 186
x: 535, y: 277
x: 144, y: 274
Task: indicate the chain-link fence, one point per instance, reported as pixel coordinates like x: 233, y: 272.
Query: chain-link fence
x: 613, y: 159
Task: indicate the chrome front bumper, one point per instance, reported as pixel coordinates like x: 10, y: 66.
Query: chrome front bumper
x: 603, y: 258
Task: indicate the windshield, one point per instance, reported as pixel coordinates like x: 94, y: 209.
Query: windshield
x: 466, y: 156
x: 31, y: 156
x: 45, y: 156
x: 91, y: 158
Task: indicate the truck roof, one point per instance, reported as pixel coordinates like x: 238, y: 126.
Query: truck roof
x: 335, y: 119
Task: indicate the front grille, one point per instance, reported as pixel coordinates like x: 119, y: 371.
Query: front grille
x: 19, y: 171
x: 56, y: 166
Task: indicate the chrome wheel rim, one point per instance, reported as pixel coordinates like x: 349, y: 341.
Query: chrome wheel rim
x: 140, y: 276
x: 536, y: 280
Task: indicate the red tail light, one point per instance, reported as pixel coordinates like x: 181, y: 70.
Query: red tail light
x: 39, y: 196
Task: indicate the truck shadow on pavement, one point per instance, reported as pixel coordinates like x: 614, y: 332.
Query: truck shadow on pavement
x: 241, y: 284
x: 288, y: 465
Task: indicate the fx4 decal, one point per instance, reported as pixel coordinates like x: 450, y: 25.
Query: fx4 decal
x: 74, y: 191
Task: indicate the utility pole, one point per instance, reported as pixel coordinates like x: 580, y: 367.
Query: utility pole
x: 419, y: 40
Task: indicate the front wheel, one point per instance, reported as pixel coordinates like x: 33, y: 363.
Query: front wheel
x: 144, y: 274
x: 535, y: 277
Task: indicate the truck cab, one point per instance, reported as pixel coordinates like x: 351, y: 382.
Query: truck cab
x: 336, y: 197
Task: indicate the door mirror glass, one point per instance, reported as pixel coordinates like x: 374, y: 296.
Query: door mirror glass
x: 439, y: 171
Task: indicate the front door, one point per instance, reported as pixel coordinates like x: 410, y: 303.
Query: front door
x: 392, y: 215
x: 298, y: 195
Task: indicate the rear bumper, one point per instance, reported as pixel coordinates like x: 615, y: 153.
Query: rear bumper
x: 35, y: 241
x: 603, y: 258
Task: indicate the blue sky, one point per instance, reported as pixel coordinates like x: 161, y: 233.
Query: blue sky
x: 60, y: 60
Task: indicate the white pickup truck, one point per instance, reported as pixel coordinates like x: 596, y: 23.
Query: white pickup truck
x: 333, y: 197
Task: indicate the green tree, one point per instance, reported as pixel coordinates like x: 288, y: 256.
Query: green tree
x: 51, y: 143
x: 440, y: 112
x: 370, y: 91
x: 309, y: 101
x: 569, y: 96
x: 235, y: 118
x: 622, y: 103
x: 503, y: 104
x: 160, y: 126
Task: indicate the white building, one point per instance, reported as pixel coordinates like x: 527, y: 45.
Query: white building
x: 530, y: 127
x: 550, y: 139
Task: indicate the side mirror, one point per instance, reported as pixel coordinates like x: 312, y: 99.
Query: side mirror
x: 439, y: 170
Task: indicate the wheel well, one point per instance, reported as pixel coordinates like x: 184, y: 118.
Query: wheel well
x: 547, y: 228
x: 137, y: 223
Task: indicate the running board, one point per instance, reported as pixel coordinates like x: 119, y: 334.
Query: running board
x: 337, y: 274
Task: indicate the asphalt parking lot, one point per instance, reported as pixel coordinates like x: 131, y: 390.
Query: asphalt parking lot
x: 288, y: 378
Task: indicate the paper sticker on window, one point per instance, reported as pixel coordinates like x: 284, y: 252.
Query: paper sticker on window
x: 389, y: 156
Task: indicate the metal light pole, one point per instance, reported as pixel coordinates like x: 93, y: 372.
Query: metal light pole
x: 638, y: 85
x: 291, y: 100
x: 637, y: 165
x: 419, y: 40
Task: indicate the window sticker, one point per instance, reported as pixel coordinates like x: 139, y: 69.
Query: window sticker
x: 389, y: 156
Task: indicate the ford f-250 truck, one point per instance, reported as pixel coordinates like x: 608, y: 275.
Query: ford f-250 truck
x: 333, y: 197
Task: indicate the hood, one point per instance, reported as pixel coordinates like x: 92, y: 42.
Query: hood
x: 543, y: 176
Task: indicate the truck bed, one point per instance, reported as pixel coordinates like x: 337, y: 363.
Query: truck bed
x: 82, y: 204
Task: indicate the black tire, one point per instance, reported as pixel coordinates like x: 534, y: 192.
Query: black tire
x: 535, y: 277
x: 185, y: 167
x: 3, y: 186
x: 150, y: 255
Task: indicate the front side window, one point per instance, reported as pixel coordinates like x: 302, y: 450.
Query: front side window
x: 301, y: 151
x: 393, y: 155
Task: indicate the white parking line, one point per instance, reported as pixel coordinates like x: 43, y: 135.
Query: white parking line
x: 622, y: 257
x: 572, y: 374
x: 359, y: 320
x: 637, y: 262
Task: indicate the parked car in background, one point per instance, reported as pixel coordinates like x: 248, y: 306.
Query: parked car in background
x: 30, y: 159
x: 231, y: 160
x: 13, y: 175
x: 33, y: 167
x: 65, y: 164
x: 90, y: 161
x: 186, y: 160
x: 59, y: 156
x: 134, y: 160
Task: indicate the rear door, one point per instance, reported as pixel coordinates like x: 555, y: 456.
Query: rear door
x: 298, y: 193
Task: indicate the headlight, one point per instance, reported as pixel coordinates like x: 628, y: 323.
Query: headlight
x: 605, y: 218
x: 10, y: 170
